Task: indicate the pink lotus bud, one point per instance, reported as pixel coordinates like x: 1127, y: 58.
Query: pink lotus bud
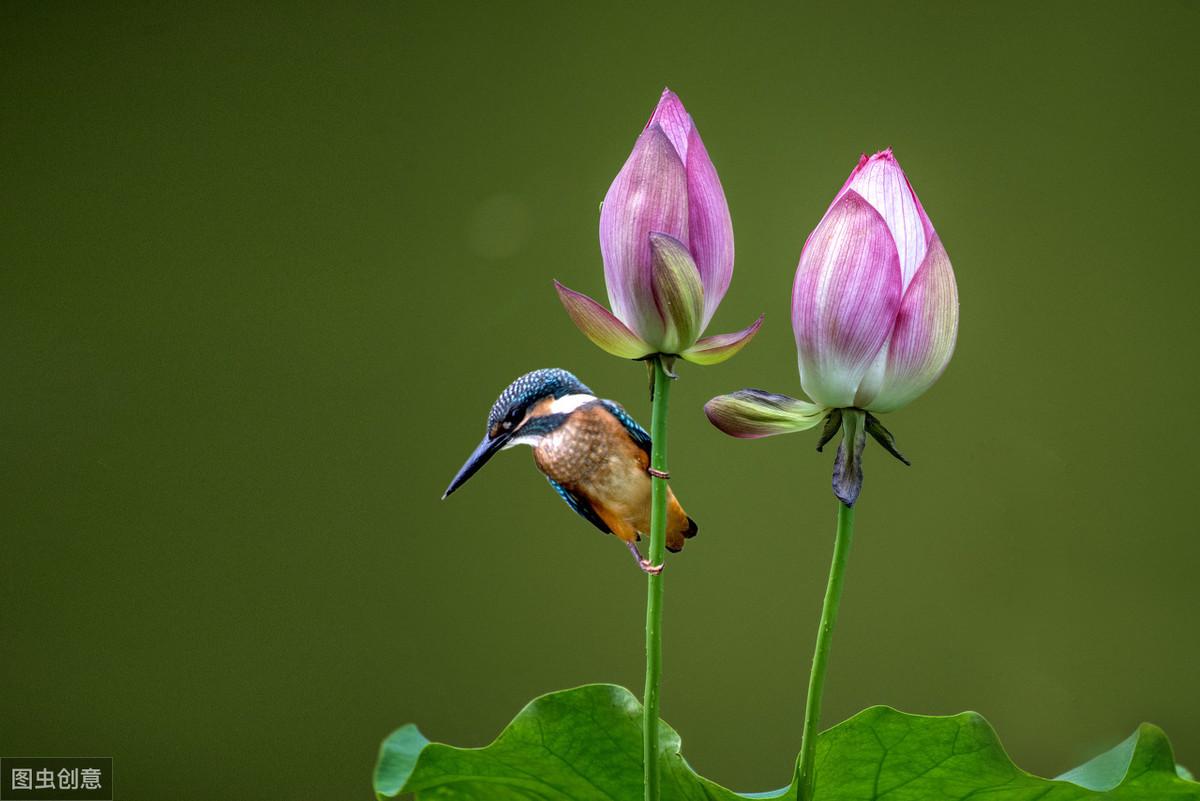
x: 874, y: 305
x: 667, y: 244
x: 875, y: 311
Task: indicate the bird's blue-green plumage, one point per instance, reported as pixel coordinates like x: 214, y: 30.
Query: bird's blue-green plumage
x: 580, y: 505
x: 639, y: 435
x: 551, y: 382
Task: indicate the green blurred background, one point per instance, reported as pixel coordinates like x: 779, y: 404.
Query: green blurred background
x: 264, y: 269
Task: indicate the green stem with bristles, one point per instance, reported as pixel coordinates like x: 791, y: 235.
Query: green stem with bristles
x: 654, y: 593
x: 805, y: 769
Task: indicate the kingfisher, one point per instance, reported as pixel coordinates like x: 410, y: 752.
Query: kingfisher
x: 596, y: 457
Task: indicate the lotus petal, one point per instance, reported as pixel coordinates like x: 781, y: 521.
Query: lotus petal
x: 925, y: 333
x: 710, y: 229
x: 600, y: 326
x: 674, y: 120
x: 844, y: 300
x: 648, y: 195
x: 719, y: 347
x: 678, y: 294
x: 882, y: 183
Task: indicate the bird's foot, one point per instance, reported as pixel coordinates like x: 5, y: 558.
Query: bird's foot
x: 663, y: 474
x: 648, y: 568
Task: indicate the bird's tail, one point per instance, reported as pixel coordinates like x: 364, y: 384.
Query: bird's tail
x: 680, y: 527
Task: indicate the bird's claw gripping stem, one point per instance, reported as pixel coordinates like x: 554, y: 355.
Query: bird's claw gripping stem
x: 644, y: 564
x: 663, y: 474
x: 649, y: 569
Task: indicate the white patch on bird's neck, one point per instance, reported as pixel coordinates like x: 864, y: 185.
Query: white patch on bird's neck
x: 564, y: 405
x: 569, y: 403
x: 531, y: 440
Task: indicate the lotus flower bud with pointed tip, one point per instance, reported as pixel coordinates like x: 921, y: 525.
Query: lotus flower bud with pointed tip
x: 667, y: 244
x: 874, y: 305
x: 875, y: 313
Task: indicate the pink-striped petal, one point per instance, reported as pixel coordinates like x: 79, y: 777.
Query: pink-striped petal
x: 719, y: 347
x: 872, y: 381
x: 648, y: 194
x: 844, y: 300
x: 925, y: 333
x: 710, y: 229
x: 709, y: 226
x: 678, y: 294
x: 882, y: 183
x: 674, y: 120
x: 600, y: 326
x: 753, y: 413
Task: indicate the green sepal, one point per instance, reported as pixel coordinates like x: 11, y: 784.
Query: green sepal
x: 884, y: 437
x: 833, y: 423
x: 754, y: 413
x: 847, y: 465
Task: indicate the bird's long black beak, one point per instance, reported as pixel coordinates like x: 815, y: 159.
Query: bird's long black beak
x: 486, y: 450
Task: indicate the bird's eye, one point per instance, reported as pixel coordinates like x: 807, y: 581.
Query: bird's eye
x: 507, y: 424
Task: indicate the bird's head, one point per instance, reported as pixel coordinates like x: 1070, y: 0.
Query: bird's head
x: 518, y: 415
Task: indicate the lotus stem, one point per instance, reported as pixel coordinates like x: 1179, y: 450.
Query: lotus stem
x: 654, y: 592
x: 805, y: 768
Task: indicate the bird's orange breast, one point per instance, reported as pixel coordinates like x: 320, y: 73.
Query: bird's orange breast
x: 592, y: 455
x: 591, y: 451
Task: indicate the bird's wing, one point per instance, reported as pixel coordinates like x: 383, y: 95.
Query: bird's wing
x: 636, y: 433
x: 580, y: 505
